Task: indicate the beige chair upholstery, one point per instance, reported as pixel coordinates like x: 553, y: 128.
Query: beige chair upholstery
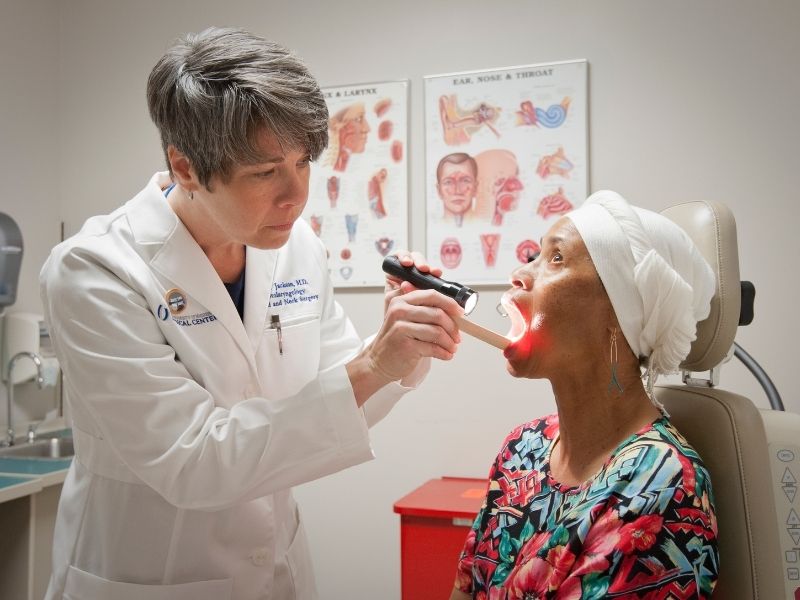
x: 725, y: 428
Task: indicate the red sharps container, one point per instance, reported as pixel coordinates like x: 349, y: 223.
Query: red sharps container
x: 434, y: 521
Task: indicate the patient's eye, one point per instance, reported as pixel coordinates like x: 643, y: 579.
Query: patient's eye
x: 556, y: 257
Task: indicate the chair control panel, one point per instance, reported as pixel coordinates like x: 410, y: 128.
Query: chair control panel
x: 783, y: 436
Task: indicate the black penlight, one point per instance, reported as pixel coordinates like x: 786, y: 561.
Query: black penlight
x: 467, y: 298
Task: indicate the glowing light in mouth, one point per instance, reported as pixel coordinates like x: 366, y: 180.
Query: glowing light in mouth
x: 527, y: 334
x: 518, y: 322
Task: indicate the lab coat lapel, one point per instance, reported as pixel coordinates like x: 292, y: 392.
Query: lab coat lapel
x: 182, y: 261
x: 258, y: 279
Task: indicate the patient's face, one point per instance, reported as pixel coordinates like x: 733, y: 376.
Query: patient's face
x: 559, y: 310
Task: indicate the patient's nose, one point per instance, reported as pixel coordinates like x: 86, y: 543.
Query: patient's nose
x: 522, y: 278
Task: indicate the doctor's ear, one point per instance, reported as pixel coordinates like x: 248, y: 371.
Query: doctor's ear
x: 182, y: 170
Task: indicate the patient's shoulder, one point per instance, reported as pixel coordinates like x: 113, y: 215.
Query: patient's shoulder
x: 545, y: 428
x: 659, y: 459
x: 528, y: 442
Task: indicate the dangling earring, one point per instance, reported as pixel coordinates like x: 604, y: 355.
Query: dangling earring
x: 614, y: 383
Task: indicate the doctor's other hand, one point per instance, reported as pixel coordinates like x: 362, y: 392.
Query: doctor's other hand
x: 396, y: 287
x: 418, y: 324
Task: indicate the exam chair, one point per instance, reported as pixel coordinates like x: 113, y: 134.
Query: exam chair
x: 752, y: 455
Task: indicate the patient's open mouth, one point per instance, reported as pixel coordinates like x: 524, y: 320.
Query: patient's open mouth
x: 518, y: 321
x: 527, y: 334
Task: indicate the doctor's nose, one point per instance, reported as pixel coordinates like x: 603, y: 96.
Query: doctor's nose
x: 295, y: 192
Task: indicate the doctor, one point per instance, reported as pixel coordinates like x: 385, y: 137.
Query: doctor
x: 206, y: 365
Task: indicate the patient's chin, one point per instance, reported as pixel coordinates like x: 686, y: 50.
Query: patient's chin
x: 512, y: 370
x: 527, y: 348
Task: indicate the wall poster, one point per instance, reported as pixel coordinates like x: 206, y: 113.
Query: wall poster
x: 506, y: 154
x: 358, y: 191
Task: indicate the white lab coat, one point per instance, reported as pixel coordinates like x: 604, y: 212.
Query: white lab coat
x: 190, y: 429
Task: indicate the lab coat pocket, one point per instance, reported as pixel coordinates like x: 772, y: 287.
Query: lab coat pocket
x: 289, y: 356
x: 299, y: 558
x: 81, y: 585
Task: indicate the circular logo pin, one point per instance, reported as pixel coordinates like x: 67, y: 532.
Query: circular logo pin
x: 176, y: 301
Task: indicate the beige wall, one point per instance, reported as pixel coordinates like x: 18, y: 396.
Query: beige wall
x: 29, y: 157
x: 689, y: 100
x: 29, y: 133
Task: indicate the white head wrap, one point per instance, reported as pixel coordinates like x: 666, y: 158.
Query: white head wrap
x: 659, y: 284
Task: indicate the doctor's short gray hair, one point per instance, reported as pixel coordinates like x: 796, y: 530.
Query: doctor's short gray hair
x: 213, y: 92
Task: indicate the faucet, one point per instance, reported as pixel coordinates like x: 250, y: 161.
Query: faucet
x: 10, y: 388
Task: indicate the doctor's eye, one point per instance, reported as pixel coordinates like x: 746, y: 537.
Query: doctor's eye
x: 305, y: 161
x: 265, y: 174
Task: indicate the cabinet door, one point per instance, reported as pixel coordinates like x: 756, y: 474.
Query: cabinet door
x: 15, y: 525
x: 44, y: 506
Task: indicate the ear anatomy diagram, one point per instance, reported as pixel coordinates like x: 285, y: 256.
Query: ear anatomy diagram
x: 506, y: 150
x: 554, y: 204
x: 375, y: 193
x: 554, y: 164
x: 490, y: 244
x: 551, y: 118
x: 459, y: 125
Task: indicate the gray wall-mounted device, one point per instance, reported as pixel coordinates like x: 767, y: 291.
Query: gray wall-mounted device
x: 10, y: 260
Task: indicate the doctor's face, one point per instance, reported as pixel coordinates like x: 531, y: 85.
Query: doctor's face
x: 258, y: 204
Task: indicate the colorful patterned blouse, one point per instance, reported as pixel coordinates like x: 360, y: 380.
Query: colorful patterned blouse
x: 644, y: 527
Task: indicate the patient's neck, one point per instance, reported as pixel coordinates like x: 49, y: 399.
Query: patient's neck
x: 593, y: 420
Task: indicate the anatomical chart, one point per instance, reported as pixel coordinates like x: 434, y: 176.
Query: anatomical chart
x: 358, y: 192
x: 506, y: 156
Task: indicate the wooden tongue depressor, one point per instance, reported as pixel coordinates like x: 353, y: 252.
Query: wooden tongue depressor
x: 483, y: 334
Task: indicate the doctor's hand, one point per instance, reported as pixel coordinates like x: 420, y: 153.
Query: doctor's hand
x: 396, y: 287
x: 417, y: 324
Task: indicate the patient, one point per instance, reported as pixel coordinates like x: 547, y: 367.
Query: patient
x: 605, y: 499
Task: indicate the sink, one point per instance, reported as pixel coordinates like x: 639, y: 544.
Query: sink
x: 43, y: 448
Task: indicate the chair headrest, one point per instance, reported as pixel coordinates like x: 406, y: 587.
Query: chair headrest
x: 713, y: 230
